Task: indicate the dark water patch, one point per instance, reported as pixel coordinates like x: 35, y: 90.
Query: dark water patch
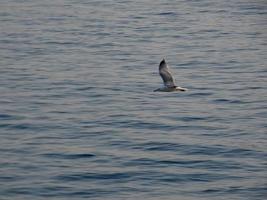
x: 191, y: 63
x: 96, y: 95
x: 261, y: 113
x: 199, y: 164
x: 248, y: 89
x: 211, y: 191
x: 207, y: 150
x: 200, y: 94
x: 118, y: 177
x: 194, y: 177
x: 18, y: 126
x: 117, y: 116
x: 18, y: 191
x: 167, y: 13
x: 121, y: 143
x: 55, y: 191
x: 48, y: 137
x: 137, y: 17
x: 247, y: 192
x: 68, y: 156
x: 149, y: 175
x: 61, y: 43
x: 137, y: 124
x: 87, y: 88
x: 203, y: 164
x: 254, y: 88
x: 31, y: 127
x: 193, y: 118
x: 229, y: 101
x: 220, y: 151
x: 64, y: 192
x: 198, y: 129
x: 204, y: 31
x: 16, y: 151
x: 7, y: 117
x: 161, y: 146
x: 7, y: 178
x: 59, y: 112
x: 4, y: 125
x: 239, y: 152
x: 225, y: 152
x: 184, y: 162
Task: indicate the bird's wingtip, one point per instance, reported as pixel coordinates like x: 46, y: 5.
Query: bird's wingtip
x: 162, y: 61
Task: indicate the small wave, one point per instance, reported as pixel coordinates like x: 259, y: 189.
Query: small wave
x: 5, y: 116
x: 85, y: 88
x: 200, y: 94
x: 95, y: 176
x: 167, y: 13
x: 68, y: 156
x: 228, y: 101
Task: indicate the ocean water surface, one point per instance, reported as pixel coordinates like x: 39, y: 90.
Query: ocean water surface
x: 79, y: 118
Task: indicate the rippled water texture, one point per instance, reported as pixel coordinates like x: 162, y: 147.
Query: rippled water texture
x: 79, y: 118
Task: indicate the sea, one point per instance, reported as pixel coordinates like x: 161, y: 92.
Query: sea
x: 79, y: 118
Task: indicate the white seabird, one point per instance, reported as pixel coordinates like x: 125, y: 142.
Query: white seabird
x: 169, y: 85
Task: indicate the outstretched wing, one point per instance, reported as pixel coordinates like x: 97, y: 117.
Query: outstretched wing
x: 165, y: 74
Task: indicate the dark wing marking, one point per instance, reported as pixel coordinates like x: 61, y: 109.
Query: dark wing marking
x: 165, y: 74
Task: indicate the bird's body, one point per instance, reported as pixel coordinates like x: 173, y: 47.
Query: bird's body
x: 169, y: 85
x: 170, y: 89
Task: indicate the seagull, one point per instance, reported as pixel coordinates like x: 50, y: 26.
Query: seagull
x: 169, y: 85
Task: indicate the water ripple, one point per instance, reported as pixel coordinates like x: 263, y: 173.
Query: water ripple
x: 79, y: 118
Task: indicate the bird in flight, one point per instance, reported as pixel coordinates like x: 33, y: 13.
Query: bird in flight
x: 169, y: 84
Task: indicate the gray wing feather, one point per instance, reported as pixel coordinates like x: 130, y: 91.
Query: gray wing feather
x: 166, y: 74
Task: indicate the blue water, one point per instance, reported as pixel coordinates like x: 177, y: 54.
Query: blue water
x: 79, y: 118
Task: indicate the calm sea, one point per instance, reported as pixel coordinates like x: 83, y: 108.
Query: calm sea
x: 79, y: 118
